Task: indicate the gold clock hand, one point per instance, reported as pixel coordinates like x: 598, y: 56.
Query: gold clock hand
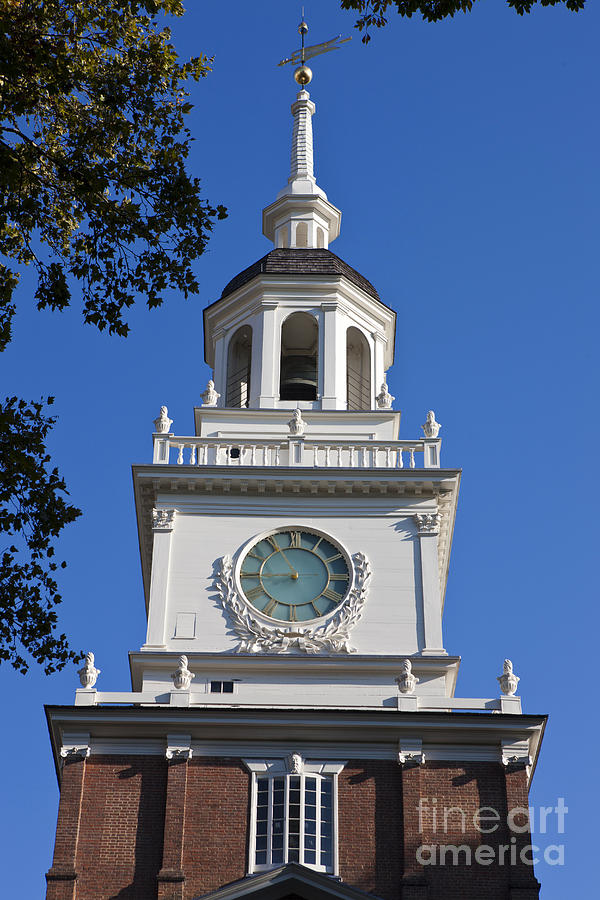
x: 294, y: 572
x: 285, y: 574
x: 277, y: 574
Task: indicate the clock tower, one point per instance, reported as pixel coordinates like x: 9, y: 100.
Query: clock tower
x: 292, y: 728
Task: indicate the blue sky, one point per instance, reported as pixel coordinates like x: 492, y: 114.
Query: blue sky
x: 464, y: 157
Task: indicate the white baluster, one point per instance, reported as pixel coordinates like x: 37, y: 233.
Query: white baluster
x: 339, y: 452
x: 253, y: 455
x: 317, y: 464
x: 388, y: 457
x: 327, y: 456
x: 217, y: 449
x: 400, y: 460
x: 241, y: 448
x: 193, y: 455
x: 412, y: 457
x: 227, y: 454
x: 364, y: 462
x: 351, y: 456
x: 205, y: 454
x: 180, y: 455
x: 277, y: 451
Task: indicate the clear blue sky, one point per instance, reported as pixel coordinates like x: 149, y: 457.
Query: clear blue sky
x: 464, y: 156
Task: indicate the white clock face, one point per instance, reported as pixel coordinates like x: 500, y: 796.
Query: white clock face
x: 295, y: 575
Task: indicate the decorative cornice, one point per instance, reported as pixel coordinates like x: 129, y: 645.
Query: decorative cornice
x: 427, y: 523
x: 316, y: 734
x: 333, y: 636
x: 163, y: 519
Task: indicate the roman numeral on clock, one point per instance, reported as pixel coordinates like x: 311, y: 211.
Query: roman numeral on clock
x: 273, y: 542
x: 268, y: 609
x: 338, y: 577
x: 255, y: 592
x: 331, y: 595
x: 295, y: 539
x: 331, y: 558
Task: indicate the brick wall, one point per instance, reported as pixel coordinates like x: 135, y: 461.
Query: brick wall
x: 370, y: 827
x: 120, y: 838
x: 216, y: 843
x: 121, y: 832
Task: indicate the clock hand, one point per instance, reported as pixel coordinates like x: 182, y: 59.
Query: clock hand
x: 285, y: 574
x: 294, y: 572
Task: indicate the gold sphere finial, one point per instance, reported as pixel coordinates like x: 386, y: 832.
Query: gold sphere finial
x: 302, y: 27
x: 303, y: 75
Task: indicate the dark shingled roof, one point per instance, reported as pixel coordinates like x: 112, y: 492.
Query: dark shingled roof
x: 300, y: 262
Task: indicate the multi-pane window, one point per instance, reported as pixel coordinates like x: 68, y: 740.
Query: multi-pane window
x: 294, y: 821
x: 221, y: 687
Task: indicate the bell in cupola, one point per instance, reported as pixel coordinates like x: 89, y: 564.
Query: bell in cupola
x: 298, y: 373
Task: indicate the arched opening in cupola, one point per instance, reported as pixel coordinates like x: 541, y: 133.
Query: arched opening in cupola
x: 302, y: 235
x: 358, y: 370
x: 239, y: 356
x: 299, y: 346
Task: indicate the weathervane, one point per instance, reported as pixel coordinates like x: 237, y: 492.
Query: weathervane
x: 303, y: 74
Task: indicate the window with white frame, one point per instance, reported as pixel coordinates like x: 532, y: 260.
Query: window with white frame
x: 294, y: 813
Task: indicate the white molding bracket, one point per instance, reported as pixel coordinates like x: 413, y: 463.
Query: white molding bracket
x: 75, y: 746
x: 515, y: 753
x: 163, y: 519
x: 427, y: 523
x: 179, y: 746
x: 410, y: 752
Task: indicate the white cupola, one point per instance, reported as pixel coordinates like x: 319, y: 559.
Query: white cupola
x: 300, y: 327
x: 302, y: 217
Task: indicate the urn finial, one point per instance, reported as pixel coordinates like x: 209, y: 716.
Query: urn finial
x: 296, y: 424
x: 162, y: 423
x: 431, y: 428
x: 508, y: 680
x: 406, y: 681
x: 210, y: 397
x: 384, y: 398
x: 182, y: 677
x: 88, y: 673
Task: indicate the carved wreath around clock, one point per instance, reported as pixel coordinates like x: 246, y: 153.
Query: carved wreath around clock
x: 294, y: 590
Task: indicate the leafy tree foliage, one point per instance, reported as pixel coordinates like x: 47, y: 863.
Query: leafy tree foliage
x: 95, y: 196
x: 93, y: 146
x: 373, y: 12
x: 32, y: 512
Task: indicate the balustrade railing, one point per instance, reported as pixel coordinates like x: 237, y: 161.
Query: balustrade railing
x: 293, y: 451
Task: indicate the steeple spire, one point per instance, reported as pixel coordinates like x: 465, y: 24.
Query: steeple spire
x: 302, y: 217
x: 302, y: 168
